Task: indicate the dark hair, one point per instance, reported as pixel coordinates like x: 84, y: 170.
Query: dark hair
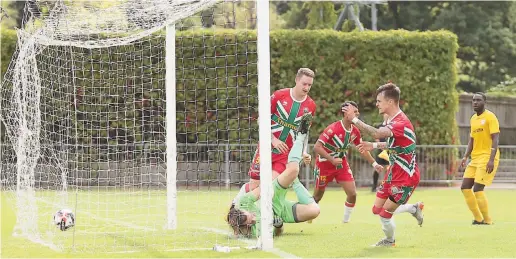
x: 483, y: 95
x: 237, y: 220
x: 346, y: 103
x: 390, y: 91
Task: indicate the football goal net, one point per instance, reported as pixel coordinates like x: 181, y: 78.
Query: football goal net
x: 140, y: 117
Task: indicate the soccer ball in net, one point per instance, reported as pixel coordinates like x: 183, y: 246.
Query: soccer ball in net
x: 64, y: 219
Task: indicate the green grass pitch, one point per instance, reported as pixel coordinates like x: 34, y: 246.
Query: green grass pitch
x: 446, y: 232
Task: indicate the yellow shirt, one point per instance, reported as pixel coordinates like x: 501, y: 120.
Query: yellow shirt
x: 481, y: 129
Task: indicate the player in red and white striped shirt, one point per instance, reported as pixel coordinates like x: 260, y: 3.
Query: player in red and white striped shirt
x: 403, y: 176
x: 331, y: 163
x: 288, y: 106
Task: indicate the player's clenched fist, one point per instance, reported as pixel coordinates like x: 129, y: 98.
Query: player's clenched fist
x: 463, y: 162
x: 280, y: 145
x: 307, y: 158
x: 336, y: 161
x: 378, y: 168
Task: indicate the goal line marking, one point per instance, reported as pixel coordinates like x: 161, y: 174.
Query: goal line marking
x: 275, y: 251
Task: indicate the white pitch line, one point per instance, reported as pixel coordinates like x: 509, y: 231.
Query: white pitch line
x: 275, y: 251
x: 116, y: 222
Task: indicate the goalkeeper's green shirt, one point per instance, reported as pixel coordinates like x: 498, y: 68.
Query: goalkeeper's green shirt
x: 248, y: 203
x: 280, y: 206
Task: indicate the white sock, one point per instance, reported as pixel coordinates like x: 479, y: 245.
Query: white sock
x: 410, y: 208
x: 388, y: 228
x: 347, y: 212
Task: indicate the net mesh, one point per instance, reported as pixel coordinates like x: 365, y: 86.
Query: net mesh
x: 83, y: 103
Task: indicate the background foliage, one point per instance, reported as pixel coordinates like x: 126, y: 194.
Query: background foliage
x: 486, y: 31
x: 216, y: 84
x: 350, y: 66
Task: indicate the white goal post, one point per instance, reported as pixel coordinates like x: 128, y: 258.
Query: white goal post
x: 265, y: 124
x: 139, y: 116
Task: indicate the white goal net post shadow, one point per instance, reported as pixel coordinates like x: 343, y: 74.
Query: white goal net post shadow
x: 75, y: 33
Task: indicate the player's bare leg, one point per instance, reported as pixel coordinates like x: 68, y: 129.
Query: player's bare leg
x: 378, y: 205
x: 318, y: 195
x: 305, y: 212
x: 351, y: 198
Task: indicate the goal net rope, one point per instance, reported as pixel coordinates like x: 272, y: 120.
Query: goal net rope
x: 84, y: 104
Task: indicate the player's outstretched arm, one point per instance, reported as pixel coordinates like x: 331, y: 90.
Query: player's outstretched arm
x: 367, y: 156
x: 366, y: 146
x: 377, y: 133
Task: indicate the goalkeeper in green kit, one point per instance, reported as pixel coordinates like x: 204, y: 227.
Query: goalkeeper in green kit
x: 244, y: 216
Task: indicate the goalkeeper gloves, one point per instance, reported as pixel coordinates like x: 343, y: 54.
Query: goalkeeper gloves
x: 277, y: 222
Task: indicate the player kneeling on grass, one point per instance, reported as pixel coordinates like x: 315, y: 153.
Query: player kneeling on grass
x: 244, y: 216
x: 331, y: 163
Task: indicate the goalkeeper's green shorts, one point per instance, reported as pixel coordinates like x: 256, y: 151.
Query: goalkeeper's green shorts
x: 281, y: 207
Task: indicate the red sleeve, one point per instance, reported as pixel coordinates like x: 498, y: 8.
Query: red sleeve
x: 397, y: 128
x: 274, y: 100
x: 314, y: 107
x: 327, y: 134
x: 358, y: 138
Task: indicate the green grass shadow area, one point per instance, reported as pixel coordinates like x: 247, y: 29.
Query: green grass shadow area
x: 447, y: 231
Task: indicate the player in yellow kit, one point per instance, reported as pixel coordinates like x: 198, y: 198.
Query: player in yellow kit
x: 481, y: 170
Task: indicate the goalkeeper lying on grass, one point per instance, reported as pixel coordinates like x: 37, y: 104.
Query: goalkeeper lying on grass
x: 244, y: 216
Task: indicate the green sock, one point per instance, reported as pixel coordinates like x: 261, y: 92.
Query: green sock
x: 296, y: 153
x: 303, y: 196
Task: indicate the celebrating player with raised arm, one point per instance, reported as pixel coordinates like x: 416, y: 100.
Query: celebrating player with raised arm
x: 331, y: 162
x: 244, y: 215
x: 403, y: 175
x: 287, y: 107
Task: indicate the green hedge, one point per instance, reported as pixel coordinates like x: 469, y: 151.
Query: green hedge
x: 350, y: 66
x: 8, y: 39
x: 217, y: 77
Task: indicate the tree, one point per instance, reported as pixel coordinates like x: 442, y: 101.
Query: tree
x: 488, y: 42
x: 486, y: 32
x: 505, y: 88
x: 321, y: 15
x: 294, y: 15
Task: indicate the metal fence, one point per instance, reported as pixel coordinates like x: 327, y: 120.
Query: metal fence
x: 439, y: 164
x: 225, y: 165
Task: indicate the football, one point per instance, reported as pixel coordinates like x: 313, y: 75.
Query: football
x: 64, y: 219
